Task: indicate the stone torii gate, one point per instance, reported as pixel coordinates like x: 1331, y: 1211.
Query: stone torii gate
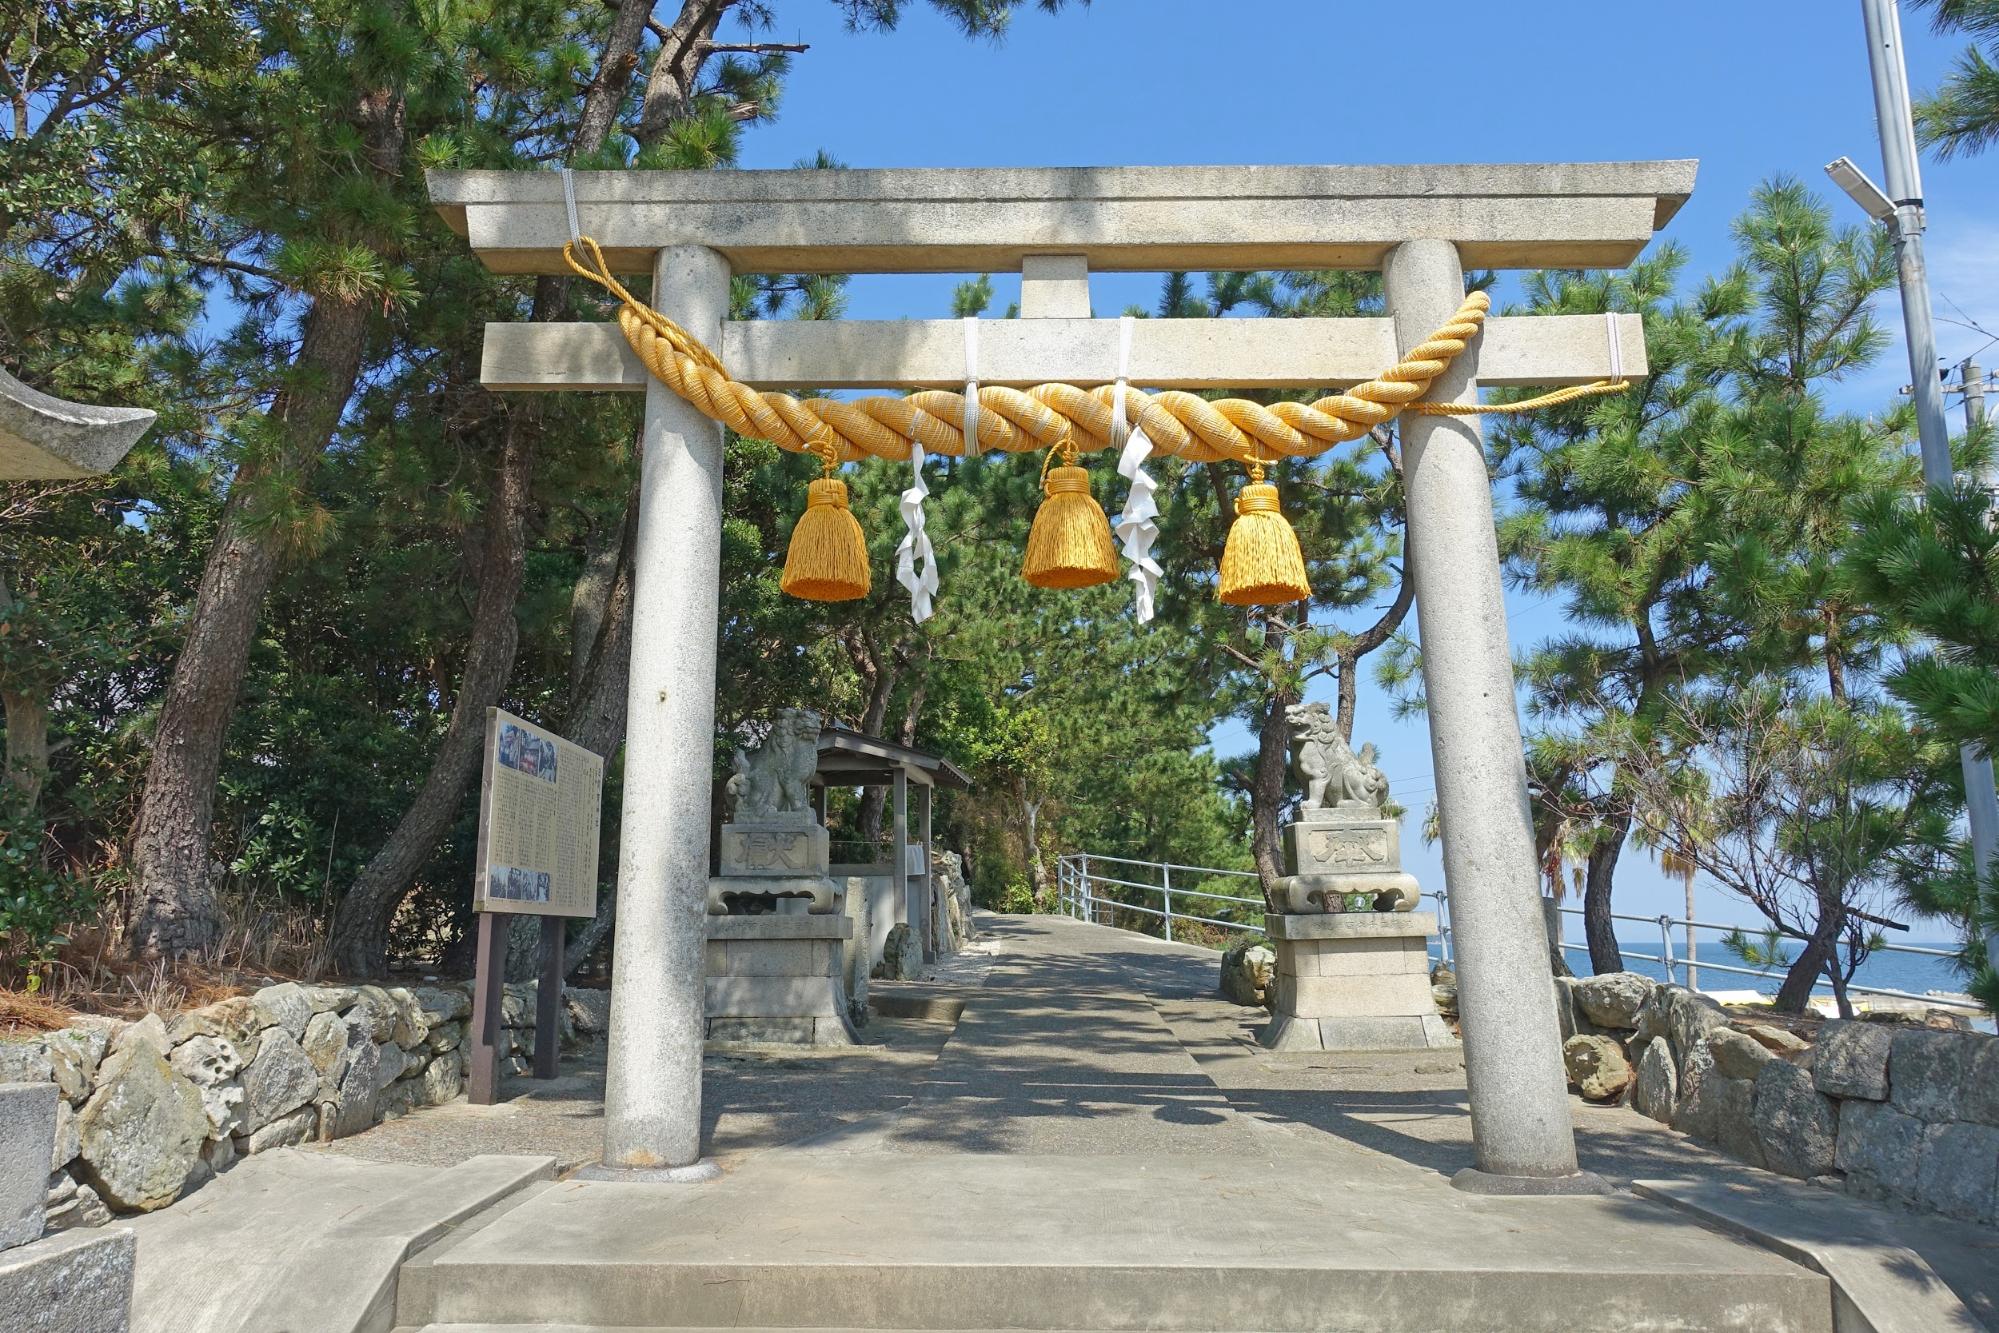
x: 1422, y: 226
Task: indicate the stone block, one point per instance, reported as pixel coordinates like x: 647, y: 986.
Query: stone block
x: 148, y: 1031
x: 757, y: 897
x: 1596, y: 1066
x: 298, y: 1127
x: 1851, y: 1060
x: 1566, y: 1016
x: 1248, y: 971
x: 25, y: 1060
x: 772, y: 850
x: 1926, y: 1070
x: 1737, y: 1055
x: 1287, y: 1033
x: 1978, y: 1100
x: 213, y: 1064
x: 284, y: 1006
x: 773, y: 997
x: 1393, y: 892
x: 74, y: 1054
x: 1349, y: 925
x: 1385, y: 1033
x: 1796, y: 1125
x: 141, y: 1132
x: 1377, y: 956
x: 235, y: 1020
x: 1350, y: 997
x: 1880, y: 1150
x: 589, y: 1009
x: 281, y: 1079
x: 1959, y: 1174
x: 27, y: 1145
x: 775, y: 958
x: 76, y: 1282
x: 1690, y: 1016
x: 788, y: 1031
x: 1734, y: 1102
x: 1656, y: 1086
x: 1344, y: 847
x: 69, y: 1139
x: 1613, y: 999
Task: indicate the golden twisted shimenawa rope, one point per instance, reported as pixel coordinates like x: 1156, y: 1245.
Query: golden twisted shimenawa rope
x: 1194, y: 428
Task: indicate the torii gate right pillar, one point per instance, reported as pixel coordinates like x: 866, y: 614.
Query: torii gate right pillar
x: 1524, y: 1139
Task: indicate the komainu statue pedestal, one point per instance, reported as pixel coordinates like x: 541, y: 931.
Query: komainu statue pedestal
x: 779, y: 978
x: 1353, y: 981
x: 776, y: 973
x: 1353, y: 954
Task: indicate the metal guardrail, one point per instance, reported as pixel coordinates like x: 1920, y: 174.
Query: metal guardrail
x: 1079, y: 873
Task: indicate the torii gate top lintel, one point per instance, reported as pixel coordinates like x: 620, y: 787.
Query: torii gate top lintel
x: 988, y: 219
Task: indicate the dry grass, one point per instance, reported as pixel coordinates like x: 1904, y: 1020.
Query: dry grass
x: 259, y: 945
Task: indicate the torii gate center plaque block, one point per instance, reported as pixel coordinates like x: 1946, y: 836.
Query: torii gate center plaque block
x: 1422, y: 227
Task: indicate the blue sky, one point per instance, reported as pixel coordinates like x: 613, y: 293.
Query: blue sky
x: 1752, y: 90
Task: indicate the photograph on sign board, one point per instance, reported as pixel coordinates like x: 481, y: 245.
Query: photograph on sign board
x: 514, y: 884
x: 527, y: 753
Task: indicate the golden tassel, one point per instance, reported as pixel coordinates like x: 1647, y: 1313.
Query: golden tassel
x: 827, y: 560
x: 1069, y: 545
x: 1262, y: 565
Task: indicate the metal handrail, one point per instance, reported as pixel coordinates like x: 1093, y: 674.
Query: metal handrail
x: 1076, y: 897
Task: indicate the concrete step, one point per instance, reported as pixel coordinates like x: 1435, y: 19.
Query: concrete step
x: 1288, y: 1242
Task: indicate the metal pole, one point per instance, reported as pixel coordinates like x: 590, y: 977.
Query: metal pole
x: 1666, y: 943
x: 1166, y: 886
x: 1900, y: 166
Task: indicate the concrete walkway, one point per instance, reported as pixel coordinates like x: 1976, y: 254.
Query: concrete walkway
x: 1071, y: 1160
x: 1097, y: 1142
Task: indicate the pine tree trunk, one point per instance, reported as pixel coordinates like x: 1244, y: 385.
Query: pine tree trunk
x: 1601, y: 869
x: 361, y: 924
x: 1796, y: 992
x: 595, y: 717
x: 173, y: 910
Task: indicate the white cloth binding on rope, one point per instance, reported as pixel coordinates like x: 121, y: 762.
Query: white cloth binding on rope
x: 915, y: 549
x: 971, y: 386
x: 569, y: 202
x: 1136, y: 526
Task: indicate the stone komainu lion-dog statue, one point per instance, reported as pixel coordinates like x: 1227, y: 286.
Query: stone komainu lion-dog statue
x: 1328, y: 770
x: 774, y: 780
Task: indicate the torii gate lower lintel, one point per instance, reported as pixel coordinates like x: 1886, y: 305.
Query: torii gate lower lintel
x: 1422, y: 226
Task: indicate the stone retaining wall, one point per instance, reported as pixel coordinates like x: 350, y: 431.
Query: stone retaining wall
x: 150, y: 1110
x: 1886, y: 1110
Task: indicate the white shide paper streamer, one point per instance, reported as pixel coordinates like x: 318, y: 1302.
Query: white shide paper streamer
x: 1136, y: 526
x: 914, y: 549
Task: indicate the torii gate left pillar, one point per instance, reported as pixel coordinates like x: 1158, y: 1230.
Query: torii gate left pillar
x: 652, y: 1089
x: 1422, y: 225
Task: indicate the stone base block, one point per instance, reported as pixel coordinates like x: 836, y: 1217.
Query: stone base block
x: 778, y: 979
x: 1287, y: 1032
x: 27, y: 1146
x: 1353, y: 982
x: 758, y: 895
x: 1393, y: 891
x: 72, y: 1282
x: 776, y: 849
x: 1406, y: 995
x: 1343, y: 845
